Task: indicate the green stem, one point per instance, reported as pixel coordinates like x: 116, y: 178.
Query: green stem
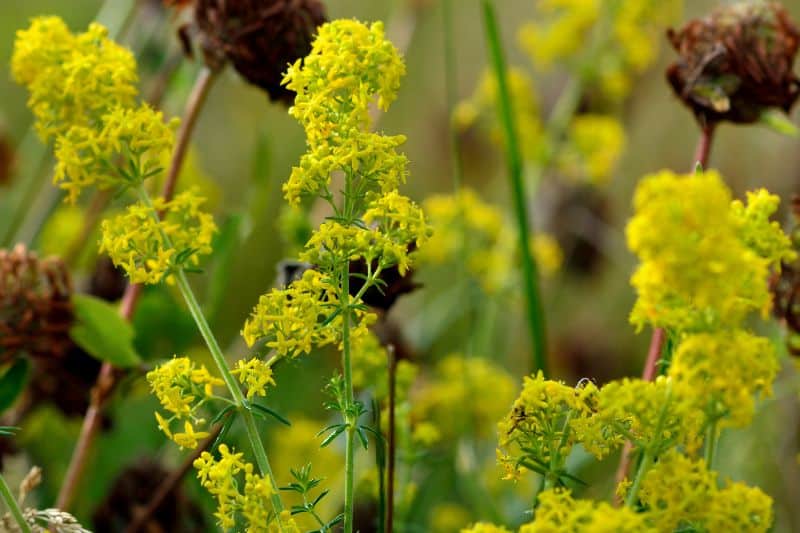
x: 13, y: 506
x: 349, y: 474
x: 644, y: 466
x: 222, y: 365
x: 534, y: 303
x: 712, y: 438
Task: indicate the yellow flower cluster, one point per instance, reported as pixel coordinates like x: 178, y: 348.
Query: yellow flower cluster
x: 74, y: 80
x: 541, y: 427
x: 722, y: 373
x: 348, y: 65
x: 298, y: 318
x: 704, y: 260
x: 483, y: 105
x: 679, y: 492
x: 592, y: 149
x: 255, y: 374
x: 182, y: 387
x: 82, y: 93
x: 149, y: 248
x: 455, y: 401
x: 485, y: 527
x: 136, y: 139
x: 557, y: 510
x: 466, y: 229
x: 252, y: 506
x: 607, y: 42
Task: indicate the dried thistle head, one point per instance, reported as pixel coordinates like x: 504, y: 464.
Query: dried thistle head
x: 736, y: 62
x: 260, y: 37
x: 35, y: 307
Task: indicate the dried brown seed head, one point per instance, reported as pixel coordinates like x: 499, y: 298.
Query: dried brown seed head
x: 260, y: 37
x: 35, y: 306
x: 736, y: 62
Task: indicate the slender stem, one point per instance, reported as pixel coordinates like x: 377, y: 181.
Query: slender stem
x: 644, y: 466
x: 703, y: 150
x: 349, y: 474
x: 712, y: 438
x: 535, y: 309
x: 13, y: 506
x: 451, y: 83
x: 392, y: 437
x: 202, y: 85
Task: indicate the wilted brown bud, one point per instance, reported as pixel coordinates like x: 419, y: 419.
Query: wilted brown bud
x: 35, y: 307
x: 260, y: 37
x: 736, y: 62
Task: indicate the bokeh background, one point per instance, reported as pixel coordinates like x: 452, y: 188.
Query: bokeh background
x: 244, y: 148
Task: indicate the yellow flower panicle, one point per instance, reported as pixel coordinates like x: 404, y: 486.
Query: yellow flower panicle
x: 348, y: 64
x: 127, y: 148
x: 557, y: 510
x: 255, y: 374
x: 610, y: 42
x: 482, y: 105
x: 680, y: 492
x: 293, y: 320
x: 182, y: 387
x: 704, y: 261
x: 148, y: 249
x: 485, y: 527
x: 222, y: 478
x: 646, y: 413
x: 594, y: 146
x: 541, y: 426
x: 73, y: 79
x: 467, y: 229
x: 722, y: 372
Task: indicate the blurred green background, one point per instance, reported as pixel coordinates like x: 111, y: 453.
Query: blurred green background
x: 245, y: 146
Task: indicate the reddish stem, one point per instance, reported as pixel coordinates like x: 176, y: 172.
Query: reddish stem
x: 701, y: 156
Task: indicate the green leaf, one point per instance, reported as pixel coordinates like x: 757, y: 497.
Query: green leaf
x: 778, y: 122
x: 102, y: 332
x: 13, y: 382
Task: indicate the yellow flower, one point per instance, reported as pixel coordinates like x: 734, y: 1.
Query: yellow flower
x: 218, y: 476
x: 127, y: 148
x: 547, y: 252
x: 74, y: 80
x: 189, y: 437
x: 485, y: 527
x: 678, y: 492
x: 594, y: 146
x: 557, y: 510
x: 701, y: 256
x: 148, y: 249
x: 255, y: 374
x: 722, y: 372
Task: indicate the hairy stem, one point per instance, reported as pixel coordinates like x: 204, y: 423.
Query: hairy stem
x: 13, y: 506
x: 535, y: 309
x: 644, y: 466
x: 712, y: 438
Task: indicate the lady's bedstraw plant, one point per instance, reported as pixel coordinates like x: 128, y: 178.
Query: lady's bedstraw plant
x: 350, y: 63
x: 83, y: 96
x: 705, y: 262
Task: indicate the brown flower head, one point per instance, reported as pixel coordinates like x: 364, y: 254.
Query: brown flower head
x: 260, y: 37
x: 736, y: 62
x: 35, y: 307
